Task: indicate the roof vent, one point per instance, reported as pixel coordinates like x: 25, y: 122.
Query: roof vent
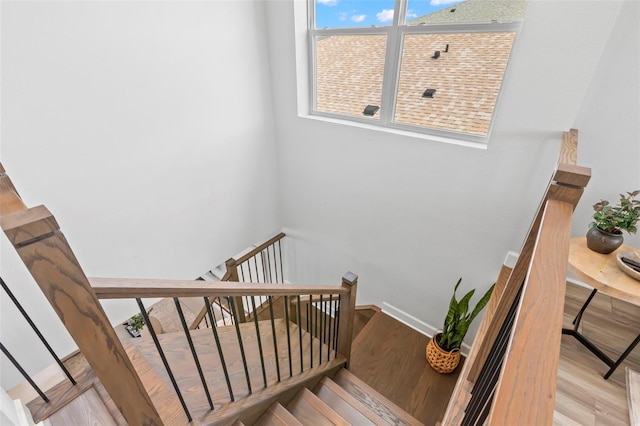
x: 446, y: 49
x: 436, y: 55
x: 428, y: 93
x: 453, y: 10
x: 370, y: 110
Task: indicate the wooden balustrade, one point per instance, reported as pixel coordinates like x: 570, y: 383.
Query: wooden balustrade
x: 43, y: 248
x: 522, y: 387
x: 37, y: 238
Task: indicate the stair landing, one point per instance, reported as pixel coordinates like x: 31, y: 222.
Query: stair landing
x: 390, y: 357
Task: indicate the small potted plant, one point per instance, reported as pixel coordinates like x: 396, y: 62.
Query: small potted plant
x: 605, y: 232
x: 135, y: 324
x: 443, y: 349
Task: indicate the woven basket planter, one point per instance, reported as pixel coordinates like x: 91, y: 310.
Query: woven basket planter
x: 439, y: 359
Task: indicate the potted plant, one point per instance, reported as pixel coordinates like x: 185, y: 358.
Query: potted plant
x: 443, y: 349
x: 605, y: 232
x: 135, y: 324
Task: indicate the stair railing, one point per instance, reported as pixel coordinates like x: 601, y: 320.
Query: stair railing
x: 510, y: 374
x: 38, y: 240
x: 261, y: 264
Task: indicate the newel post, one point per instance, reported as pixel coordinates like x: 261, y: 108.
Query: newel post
x: 232, y: 269
x: 347, y: 312
x: 44, y: 250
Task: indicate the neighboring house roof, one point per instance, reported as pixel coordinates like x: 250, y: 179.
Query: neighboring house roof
x: 467, y: 76
x: 476, y: 11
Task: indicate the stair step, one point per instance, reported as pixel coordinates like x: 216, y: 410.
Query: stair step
x: 311, y: 410
x: 180, y: 359
x: 376, y: 402
x: 163, y: 396
x: 343, y: 403
x: 277, y: 415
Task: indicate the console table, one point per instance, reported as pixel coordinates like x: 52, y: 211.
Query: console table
x: 601, y: 272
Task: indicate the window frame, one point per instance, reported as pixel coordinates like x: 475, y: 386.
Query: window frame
x: 391, y: 78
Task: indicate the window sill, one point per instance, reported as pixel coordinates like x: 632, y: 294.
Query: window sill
x: 397, y: 132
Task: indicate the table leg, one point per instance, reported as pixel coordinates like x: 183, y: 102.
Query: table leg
x: 622, y: 357
x: 578, y: 318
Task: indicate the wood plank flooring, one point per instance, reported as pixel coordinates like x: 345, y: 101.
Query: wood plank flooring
x: 390, y: 357
x: 583, y: 397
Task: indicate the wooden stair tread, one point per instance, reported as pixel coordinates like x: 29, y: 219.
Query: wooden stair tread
x: 86, y: 409
x: 160, y: 391
x: 377, y: 402
x: 344, y: 403
x: 311, y: 410
x: 180, y: 359
x: 277, y: 415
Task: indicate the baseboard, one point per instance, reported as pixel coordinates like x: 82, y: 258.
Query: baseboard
x: 416, y: 324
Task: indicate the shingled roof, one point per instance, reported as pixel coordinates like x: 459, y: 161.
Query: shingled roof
x: 467, y: 75
x: 476, y: 11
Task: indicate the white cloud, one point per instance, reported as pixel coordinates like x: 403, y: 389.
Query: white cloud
x: 441, y: 2
x: 328, y: 2
x: 386, y: 15
x: 343, y: 16
x: 412, y: 15
x: 358, y: 18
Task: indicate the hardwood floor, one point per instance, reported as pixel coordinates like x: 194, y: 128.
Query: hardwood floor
x: 390, y: 357
x: 583, y: 396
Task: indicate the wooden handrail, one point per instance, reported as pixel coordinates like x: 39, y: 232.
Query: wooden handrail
x: 526, y: 388
x: 259, y: 248
x: 124, y: 288
x: 536, y: 284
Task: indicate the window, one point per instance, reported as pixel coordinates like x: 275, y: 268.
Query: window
x: 428, y: 66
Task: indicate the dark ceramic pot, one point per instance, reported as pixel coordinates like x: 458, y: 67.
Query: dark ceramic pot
x: 603, y: 242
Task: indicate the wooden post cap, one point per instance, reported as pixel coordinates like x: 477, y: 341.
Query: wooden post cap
x: 349, y: 278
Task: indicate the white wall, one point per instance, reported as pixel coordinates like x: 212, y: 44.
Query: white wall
x: 146, y: 128
x: 409, y: 215
x: 609, y: 120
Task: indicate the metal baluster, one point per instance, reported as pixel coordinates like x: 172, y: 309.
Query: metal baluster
x: 193, y: 350
x: 310, y: 330
x: 286, y: 318
x: 281, y: 272
x: 275, y: 342
x: 335, y: 354
x: 143, y: 311
x: 232, y: 304
x: 329, y: 328
x: 35, y: 329
x: 300, y: 333
x: 214, y: 328
x: 24, y: 373
x: 255, y: 319
x: 269, y: 265
x: 335, y: 324
x: 320, y: 332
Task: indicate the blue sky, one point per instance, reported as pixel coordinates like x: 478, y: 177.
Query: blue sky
x: 365, y: 13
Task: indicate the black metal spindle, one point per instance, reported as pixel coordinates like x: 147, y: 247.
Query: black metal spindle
x: 300, y: 333
x: 329, y: 328
x: 310, y: 330
x: 232, y: 304
x: 143, y: 311
x: 214, y: 327
x: 275, y: 341
x: 258, y: 337
x: 338, y: 326
x: 280, y: 255
x: 320, y: 332
x: 286, y: 318
x: 269, y: 265
x: 36, y: 330
x: 193, y: 350
x: 24, y: 373
x: 336, y: 310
